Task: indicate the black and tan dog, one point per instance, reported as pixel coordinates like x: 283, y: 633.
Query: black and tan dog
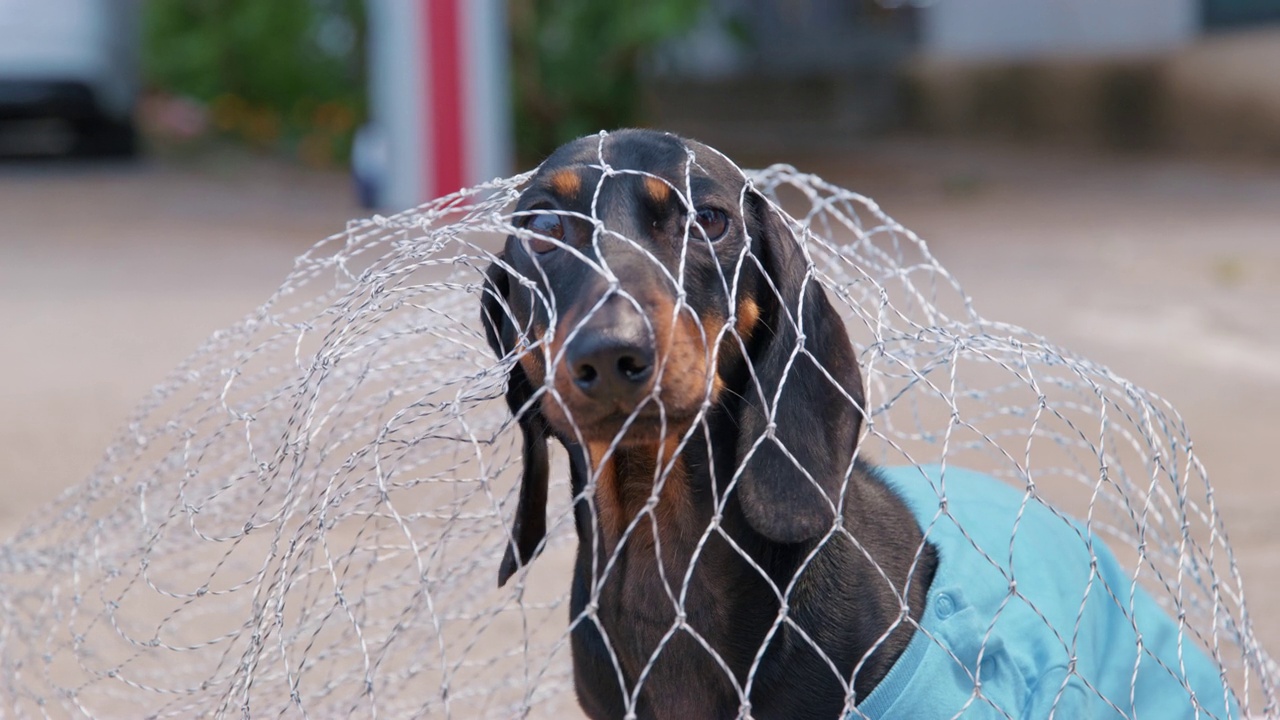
x: 671, y: 336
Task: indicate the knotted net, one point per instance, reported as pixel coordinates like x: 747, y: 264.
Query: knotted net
x: 305, y: 519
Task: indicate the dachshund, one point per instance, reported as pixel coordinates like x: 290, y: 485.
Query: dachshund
x: 735, y: 556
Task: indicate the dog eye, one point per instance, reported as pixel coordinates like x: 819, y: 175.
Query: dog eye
x: 544, y: 226
x: 713, y: 222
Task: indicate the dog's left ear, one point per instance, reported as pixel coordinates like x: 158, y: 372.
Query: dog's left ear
x: 530, y: 524
x: 805, y: 398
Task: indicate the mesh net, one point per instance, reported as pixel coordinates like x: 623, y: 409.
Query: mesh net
x: 306, y: 518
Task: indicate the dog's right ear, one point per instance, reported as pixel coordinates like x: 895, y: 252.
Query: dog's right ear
x: 530, y: 524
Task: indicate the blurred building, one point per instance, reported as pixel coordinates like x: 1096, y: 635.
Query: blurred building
x: 1022, y: 29
x: 1139, y: 74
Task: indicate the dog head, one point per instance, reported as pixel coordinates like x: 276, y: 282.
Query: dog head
x: 647, y: 284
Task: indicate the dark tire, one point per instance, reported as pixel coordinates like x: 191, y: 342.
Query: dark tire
x: 104, y: 138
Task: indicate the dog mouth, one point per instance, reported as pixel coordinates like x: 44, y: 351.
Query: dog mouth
x: 648, y: 422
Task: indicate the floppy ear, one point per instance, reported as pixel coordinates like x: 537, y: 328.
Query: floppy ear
x: 530, y: 524
x: 816, y: 416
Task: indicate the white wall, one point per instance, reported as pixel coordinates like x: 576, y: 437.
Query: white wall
x: 1018, y: 29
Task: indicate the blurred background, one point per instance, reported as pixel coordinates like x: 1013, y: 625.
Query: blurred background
x: 1106, y: 174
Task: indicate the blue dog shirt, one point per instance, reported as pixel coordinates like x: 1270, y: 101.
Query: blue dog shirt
x: 1019, y: 624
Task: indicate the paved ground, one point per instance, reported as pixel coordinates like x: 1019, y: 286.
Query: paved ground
x: 1168, y: 271
x: 109, y: 276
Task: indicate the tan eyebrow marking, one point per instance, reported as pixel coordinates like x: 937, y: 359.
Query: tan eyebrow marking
x: 657, y: 188
x: 566, y: 183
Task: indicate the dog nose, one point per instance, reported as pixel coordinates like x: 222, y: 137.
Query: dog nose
x: 612, y: 360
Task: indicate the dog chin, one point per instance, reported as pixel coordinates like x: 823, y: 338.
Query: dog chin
x: 645, y: 428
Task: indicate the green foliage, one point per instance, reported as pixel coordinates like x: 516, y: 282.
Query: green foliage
x: 280, y: 74
x: 576, y: 64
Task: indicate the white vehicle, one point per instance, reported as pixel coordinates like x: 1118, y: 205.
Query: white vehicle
x: 68, y: 76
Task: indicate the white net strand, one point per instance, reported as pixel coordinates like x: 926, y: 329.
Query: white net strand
x: 307, y: 517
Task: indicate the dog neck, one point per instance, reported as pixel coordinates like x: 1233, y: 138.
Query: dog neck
x: 650, y: 507
x: 638, y: 487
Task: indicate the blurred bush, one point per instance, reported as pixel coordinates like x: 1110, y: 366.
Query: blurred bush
x: 289, y: 75
x: 280, y: 75
x: 576, y: 64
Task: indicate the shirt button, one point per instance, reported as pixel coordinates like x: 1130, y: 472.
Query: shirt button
x: 944, y: 606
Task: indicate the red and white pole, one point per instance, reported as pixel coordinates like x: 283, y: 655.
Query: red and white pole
x: 439, y: 98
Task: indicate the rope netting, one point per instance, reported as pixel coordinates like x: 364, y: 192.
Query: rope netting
x: 306, y: 519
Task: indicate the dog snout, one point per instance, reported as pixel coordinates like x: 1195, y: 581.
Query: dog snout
x: 611, y: 356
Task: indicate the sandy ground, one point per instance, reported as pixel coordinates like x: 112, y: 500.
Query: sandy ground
x: 1168, y: 271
